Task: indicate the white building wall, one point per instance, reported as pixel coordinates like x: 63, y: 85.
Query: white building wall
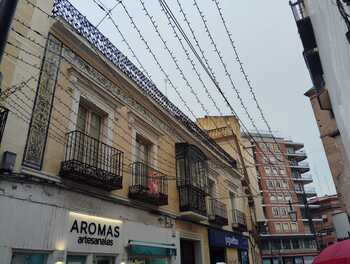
x: 334, y: 51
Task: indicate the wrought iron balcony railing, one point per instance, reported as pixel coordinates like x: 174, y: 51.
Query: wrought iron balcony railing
x: 3, y: 118
x: 148, y: 184
x: 239, y: 220
x: 217, y: 212
x: 192, y: 199
x: 89, y: 161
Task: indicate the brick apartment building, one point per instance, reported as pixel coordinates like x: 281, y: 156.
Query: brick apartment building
x: 282, y: 172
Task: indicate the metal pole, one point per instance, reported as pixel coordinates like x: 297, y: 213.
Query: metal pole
x: 7, y: 11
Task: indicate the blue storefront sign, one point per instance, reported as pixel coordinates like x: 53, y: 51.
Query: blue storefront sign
x: 220, y: 238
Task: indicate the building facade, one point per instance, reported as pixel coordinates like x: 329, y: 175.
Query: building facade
x: 283, y: 174
x: 325, y: 40
x: 225, y: 130
x: 328, y: 208
x: 98, y: 166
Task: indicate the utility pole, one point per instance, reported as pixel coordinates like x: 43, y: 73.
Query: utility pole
x: 7, y: 11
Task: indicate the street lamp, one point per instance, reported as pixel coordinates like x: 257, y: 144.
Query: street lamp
x: 292, y: 213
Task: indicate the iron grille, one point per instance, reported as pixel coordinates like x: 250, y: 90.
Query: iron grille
x: 192, y: 199
x: 92, y: 162
x: 217, y: 212
x: 3, y: 118
x: 148, y: 184
x: 65, y: 10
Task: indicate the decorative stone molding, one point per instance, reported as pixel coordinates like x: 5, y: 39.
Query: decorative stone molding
x: 40, y: 121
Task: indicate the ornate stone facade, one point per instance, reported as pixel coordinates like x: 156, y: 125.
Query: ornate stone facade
x: 40, y: 121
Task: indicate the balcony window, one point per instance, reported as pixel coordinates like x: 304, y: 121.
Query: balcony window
x: 296, y: 244
x: 192, y: 166
x: 192, y: 178
x: 239, y: 220
x: 286, y: 244
x: 217, y: 212
x: 148, y: 184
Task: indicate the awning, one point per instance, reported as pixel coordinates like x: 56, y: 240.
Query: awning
x: 151, y: 249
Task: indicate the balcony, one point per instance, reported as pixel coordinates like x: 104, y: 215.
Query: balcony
x: 148, y: 185
x: 239, y: 220
x: 217, y: 212
x: 192, y: 203
x: 89, y: 161
x: 304, y: 178
x: 297, y: 155
x: 309, y: 191
x: 302, y: 167
x: 192, y: 181
x: 3, y: 118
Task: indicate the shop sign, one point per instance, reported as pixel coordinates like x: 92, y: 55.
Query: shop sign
x: 93, y: 233
x: 220, y: 238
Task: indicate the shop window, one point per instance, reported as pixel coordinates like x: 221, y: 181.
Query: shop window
x: 29, y: 258
x: 266, y: 261
x: 308, y: 259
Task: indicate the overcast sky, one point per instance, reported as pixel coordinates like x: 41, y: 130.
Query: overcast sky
x: 269, y: 45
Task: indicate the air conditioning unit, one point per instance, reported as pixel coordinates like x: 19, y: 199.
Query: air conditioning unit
x: 8, y: 161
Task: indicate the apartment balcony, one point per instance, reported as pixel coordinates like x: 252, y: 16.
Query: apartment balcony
x: 297, y: 155
x: 309, y: 191
x: 239, y: 220
x: 3, y: 118
x: 89, y: 161
x: 302, y: 167
x: 304, y: 178
x: 148, y: 185
x: 192, y: 203
x: 217, y: 212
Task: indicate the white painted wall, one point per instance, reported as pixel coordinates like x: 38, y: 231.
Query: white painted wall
x: 334, y: 51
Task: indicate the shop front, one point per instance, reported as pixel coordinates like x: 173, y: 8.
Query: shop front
x: 62, y: 227
x: 227, y: 247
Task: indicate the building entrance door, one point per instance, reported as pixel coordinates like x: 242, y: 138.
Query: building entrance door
x: 187, y: 251
x: 217, y: 255
x: 76, y: 259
